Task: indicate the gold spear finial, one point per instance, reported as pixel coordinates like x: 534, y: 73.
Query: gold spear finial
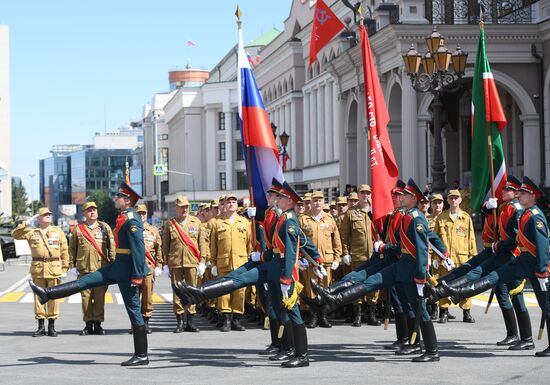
x: 238, y: 13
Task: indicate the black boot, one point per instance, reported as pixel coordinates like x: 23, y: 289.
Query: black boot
x: 334, y: 301
x: 314, y: 304
x: 236, y: 323
x: 140, y: 347
x: 511, y: 328
x: 51, y: 328
x: 147, y: 328
x: 301, y: 358
x: 88, y: 329
x: 356, y: 316
x: 338, y: 286
x: 409, y: 348
x: 226, y: 322
x: 287, y: 344
x: 433, y: 311
x: 467, y: 290
x: 402, y: 331
x: 525, y: 332
x: 212, y: 289
x: 190, y: 326
x: 443, y: 315
x: 430, y: 342
x: 275, y: 345
x: 54, y: 292
x: 323, y: 320
x: 434, y: 294
x: 179, y: 324
x: 371, y: 316
x: 41, y: 331
x: 98, y: 330
x: 467, y: 317
x: 313, y: 321
x: 545, y: 352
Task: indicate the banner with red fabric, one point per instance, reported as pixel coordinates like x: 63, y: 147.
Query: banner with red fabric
x: 325, y: 26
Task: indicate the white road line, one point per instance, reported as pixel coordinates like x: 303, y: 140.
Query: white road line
x: 21, y: 282
x: 28, y: 298
x: 75, y: 298
x: 119, y: 299
x: 167, y: 296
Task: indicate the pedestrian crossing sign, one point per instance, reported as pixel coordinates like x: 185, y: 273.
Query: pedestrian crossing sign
x: 159, y: 169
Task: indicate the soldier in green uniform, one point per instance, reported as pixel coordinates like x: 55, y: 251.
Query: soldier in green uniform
x: 92, y: 247
x: 128, y: 271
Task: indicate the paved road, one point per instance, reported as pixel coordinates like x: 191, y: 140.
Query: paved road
x: 339, y: 355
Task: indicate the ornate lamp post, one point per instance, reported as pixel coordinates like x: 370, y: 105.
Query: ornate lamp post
x: 283, y: 138
x: 436, y: 79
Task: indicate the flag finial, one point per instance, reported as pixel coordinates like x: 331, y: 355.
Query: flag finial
x: 238, y: 13
x: 481, y: 23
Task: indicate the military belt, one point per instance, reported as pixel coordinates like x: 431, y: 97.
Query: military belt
x: 123, y: 251
x: 277, y: 251
x: 487, y: 245
x: 46, y: 259
x: 524, y: 250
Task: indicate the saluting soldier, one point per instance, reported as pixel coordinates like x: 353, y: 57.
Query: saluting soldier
x: 92, y: 247
x: 321, y: 229
x: 181, y: 248
x: 50, y: 261
x: 128, y: 271
x: 153, y: 257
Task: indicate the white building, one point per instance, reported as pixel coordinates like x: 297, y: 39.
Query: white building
x: 5, y: 147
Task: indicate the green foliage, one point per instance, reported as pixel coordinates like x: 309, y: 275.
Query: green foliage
x: 35, y: 205
x: 18, y: 199
x: 107, y: 211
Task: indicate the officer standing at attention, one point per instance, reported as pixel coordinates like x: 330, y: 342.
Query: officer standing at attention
x: 128, y: 271
x: 50, y: 261
x: 92, y: 247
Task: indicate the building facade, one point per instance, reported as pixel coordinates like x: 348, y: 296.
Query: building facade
x: 5, y: 153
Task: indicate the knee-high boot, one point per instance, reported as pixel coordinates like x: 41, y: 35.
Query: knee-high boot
x: 525, y: 332
x: 54, y: 292
x: 430, y: 342
x: 511, y: 328
x: 140, y: 347
x: 467, y: 290
x: 300, y: 358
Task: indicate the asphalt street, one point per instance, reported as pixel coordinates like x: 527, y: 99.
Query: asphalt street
x: 339, y: 355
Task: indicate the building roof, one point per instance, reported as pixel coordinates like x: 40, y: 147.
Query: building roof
x: 264, y: 39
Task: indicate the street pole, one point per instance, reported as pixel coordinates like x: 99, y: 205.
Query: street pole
x: 32, y: 193
x: 438, y: 164
x: 188, y: 174
x: 157, y: 160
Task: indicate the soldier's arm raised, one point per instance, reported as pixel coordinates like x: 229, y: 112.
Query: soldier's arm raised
x: 21, y: 232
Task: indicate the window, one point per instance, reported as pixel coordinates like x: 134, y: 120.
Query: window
x: 239, y: 149
x: 221, y: 147
x: 163, y: 136
x: 223, y: 181
x: 237, y: 121
x: 242, y: 180
x: 221, y: 121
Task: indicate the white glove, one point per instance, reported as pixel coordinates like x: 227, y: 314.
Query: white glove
x: 420, y: 289
x: 63, y: 276
x: 74, y: 271
x: 493, y: 247
x: 208, y: 264
x: 492, y: 203
x: 448, y: 264
x: 255, y: 256
x: 303, y: 264
x: 158, y: 271
x: 214, y: 271
x: 321, y: 271
x: 201, y: 268
x: 32, y: 221
x: 346, y: 259
x: 435, y: 263
x: 335, y: 265
x: 251, y: 212
x: 542, y: 283
x: 166, y: 271
x: 284, y: 290
x: 377, y: 245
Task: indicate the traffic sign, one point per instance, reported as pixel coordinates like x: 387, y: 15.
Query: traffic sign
x: 159, y: 169
x: 195, y: 206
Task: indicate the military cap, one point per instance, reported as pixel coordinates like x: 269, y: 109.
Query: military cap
x: 214, y: 203
x: 332, y: 204
x: 399, y: 187
x: 365, y: 187
x: 512, y: 183
x: 141, y: 209
x: 182, y: 201
x: 44, y: 211
x: 290, y: 193
x: 353, y: 196
x: 436, y: 197
x: 317, y: 194
x: 87, y: 205
x: 222, y: 197
x: 531, y: 187
x: 307, y: 197
x: 341, y: 201
x: 231, y: 196
x: 326, y: 208
x: 275, y: 186
x: 454, y: 193
x: 126, y: 191
x: 412, y: 189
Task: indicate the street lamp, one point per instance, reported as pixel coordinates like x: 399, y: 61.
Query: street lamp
x: 283, y: 138
x: 436, y: 79
x: 187, y: 174
x: 32, y: 194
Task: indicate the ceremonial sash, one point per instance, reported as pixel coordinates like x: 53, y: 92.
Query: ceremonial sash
x: 523, y: 242
x: 119, y: 222
x: 150, y: 258
x: 186, y: 240
x: 405, y: 241
x: 91, y: 240
x: 277, y: 241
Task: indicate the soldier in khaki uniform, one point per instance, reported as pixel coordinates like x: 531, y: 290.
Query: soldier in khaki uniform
x: 333, y: 209
x: 357, y: 233
x: 321, y: 229
x: 154, y: 261
x: 352, y: 199
x: 50, y: 262
x: 456, y: 230
x: 182, y: 250
x: 92, y: 247
x: 436, y: 208
x: 211, y: 217
x: 307, y: 202
x: 230, y: 246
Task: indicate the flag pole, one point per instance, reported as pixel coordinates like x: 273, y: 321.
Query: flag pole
x: 238, y: 13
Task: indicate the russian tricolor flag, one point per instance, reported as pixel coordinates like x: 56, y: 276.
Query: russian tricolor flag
x: 257, y: 137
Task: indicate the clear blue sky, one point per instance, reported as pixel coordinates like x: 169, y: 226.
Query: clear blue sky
x: 70, y: 60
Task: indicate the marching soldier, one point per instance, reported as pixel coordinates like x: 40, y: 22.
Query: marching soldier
x: 92, y: 247
x: 153, y: 257
x: 456, y: 230
x: 321, y: 229
x: 182, y: 251
x: 50, y: 261
x: 128, y: 270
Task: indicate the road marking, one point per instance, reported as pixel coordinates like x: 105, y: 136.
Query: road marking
x: 119, y: 299
x: 12, y: 297
x: 168, y: 297
x: 15, y: 285
x: 75, y: 298
x: 108, y: 298
x: 28, y: 298
x: 157, y: 298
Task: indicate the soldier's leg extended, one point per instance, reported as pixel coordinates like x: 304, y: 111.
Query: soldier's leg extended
x: 191, y: 279
x: 178, y: 308
x: 146, y: 290
x: 130, y: 295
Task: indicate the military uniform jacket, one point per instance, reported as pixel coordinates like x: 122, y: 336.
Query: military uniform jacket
x: 176, y: 253
x: 153, y: 244
x: 324, y: 235
x: 230, y: 244
x: 130, y: 247
x: 532, y: 239
x: 206, y: 230
x: 286, y: 242
x: 84, y: 256
x: 356, y: 233
x: 49, y: 251
x: 458, y: 236
x: 414, y: 242
x: 508, y: 222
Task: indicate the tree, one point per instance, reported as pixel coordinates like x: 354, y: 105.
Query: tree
x: 35, y: 205
x: 18, y: 199
x: 107, y: 211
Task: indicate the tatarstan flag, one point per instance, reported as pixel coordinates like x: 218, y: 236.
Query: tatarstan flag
x: 487, y: 114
